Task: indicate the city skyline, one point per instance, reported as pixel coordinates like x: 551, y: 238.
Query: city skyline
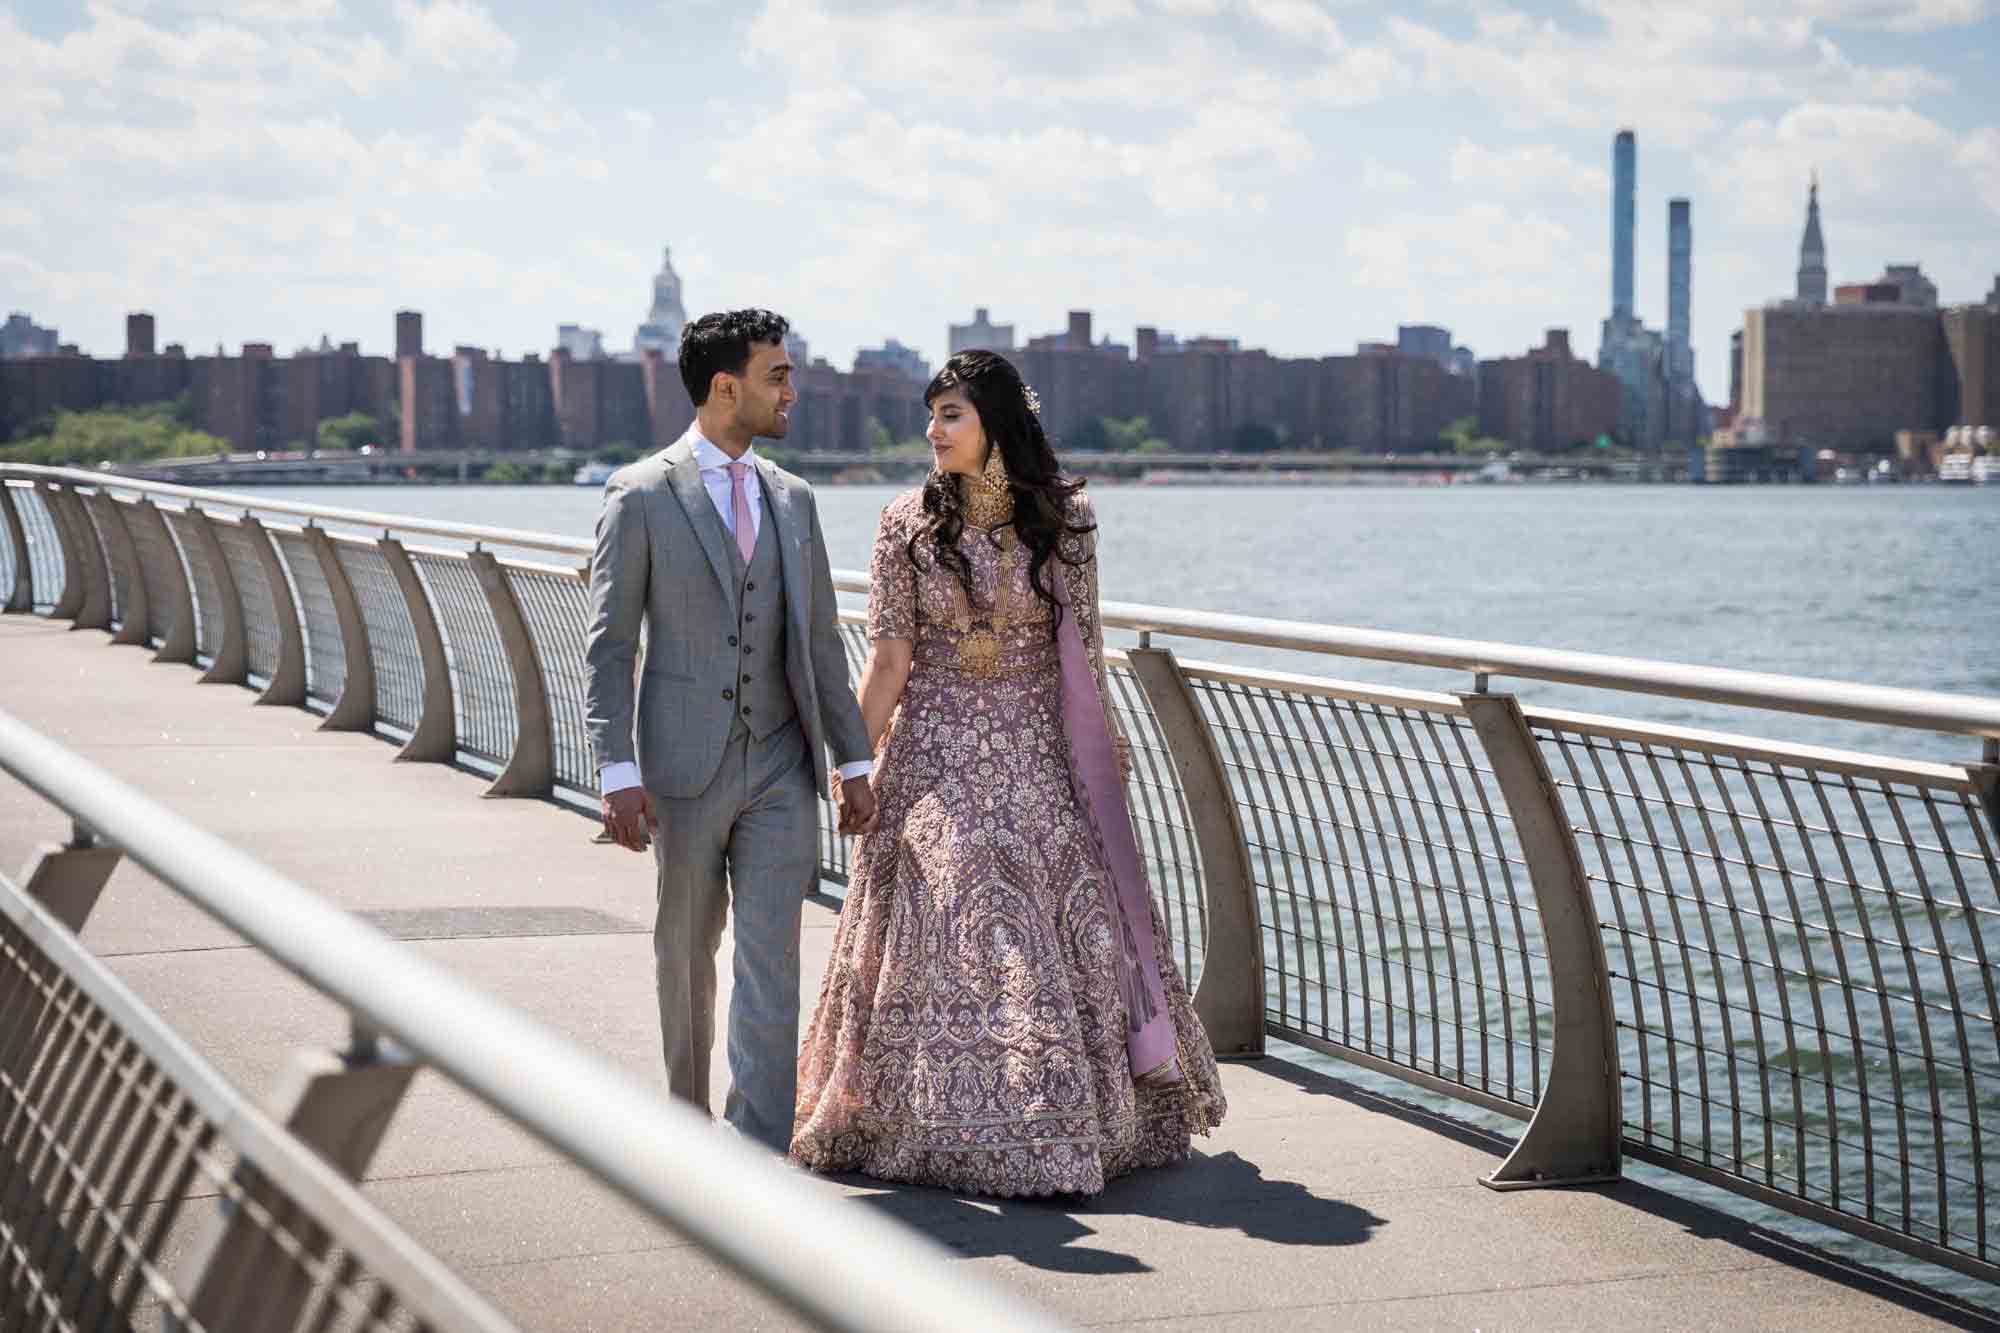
x: 1298, y: 178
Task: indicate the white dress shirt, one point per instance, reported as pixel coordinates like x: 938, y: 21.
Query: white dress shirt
x: 714, y: 465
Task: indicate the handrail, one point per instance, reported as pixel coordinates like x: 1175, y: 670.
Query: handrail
x: 845, y: 1267
x: 360, y: 518
x: 1927, y: 710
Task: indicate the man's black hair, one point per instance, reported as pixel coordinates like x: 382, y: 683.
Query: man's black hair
x: 722, y: 341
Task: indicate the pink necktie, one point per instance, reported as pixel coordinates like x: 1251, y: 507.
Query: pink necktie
x: 739, y: 512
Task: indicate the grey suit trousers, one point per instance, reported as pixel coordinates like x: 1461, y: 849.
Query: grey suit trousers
x: 750, y: 841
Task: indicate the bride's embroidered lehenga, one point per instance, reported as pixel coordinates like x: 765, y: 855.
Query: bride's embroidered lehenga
x: 991, y: 991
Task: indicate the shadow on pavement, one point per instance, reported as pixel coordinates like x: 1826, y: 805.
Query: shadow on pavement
x: 1221, y: 1192
x: 1697, y: 1217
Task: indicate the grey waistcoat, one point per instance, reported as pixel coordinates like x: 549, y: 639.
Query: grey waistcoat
x: 763, y: 700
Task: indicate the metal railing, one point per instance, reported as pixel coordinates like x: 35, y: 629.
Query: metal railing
x: 1766, y: 964
x: 102, y: 1108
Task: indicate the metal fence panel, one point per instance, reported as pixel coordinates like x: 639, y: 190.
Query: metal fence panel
x: 202, y: 586
x: 45, y: 554
x: 326, y: 655
x: 260, y: 625
x: 555, y: 603
x: 159, y: 567
x: 1802, y: 948
x: 392, y: 639
x: 482, y: 681
x: 1398, y: 921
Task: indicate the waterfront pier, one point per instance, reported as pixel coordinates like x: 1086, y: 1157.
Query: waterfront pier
x: 1761, y: 964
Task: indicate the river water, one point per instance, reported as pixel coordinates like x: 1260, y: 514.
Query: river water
x: 1891, y: 585
x: 1888, y: 585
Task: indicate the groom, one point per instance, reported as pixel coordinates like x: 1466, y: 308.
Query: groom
x: 744, y: 690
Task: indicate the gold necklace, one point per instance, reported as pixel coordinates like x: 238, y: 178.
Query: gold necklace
x: 979, y: 650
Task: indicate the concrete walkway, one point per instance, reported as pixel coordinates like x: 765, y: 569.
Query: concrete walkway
x: 1316, y: 1205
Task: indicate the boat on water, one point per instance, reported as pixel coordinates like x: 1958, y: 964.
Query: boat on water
x: 593, y: 474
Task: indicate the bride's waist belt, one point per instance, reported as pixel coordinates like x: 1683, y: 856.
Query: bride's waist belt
x: 985, y: 657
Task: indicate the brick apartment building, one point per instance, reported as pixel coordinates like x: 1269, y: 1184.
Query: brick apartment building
x: 1547, y: 399
x: 1849, y: 376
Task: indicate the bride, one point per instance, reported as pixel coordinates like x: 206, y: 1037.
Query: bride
x: 1001, y: 1014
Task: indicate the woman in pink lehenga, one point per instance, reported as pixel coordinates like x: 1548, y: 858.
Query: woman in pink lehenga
x: 1001, y: 1014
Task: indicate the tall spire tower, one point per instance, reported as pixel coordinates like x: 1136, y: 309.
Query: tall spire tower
x: 1624, y: 180
x: 1812, y: 252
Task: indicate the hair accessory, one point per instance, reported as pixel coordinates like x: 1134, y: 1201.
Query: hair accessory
x: 1034, y: 399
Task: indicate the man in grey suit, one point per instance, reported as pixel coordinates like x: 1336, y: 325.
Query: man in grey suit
x: 743, y: 691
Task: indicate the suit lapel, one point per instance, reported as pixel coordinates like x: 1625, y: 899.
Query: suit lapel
x: 791, y: 539
x: 707, y: 525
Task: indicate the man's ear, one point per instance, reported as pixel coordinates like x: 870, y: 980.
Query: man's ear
x: 723, y: 387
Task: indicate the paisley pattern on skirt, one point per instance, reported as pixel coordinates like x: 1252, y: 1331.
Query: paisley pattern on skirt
x: 971, y: 1032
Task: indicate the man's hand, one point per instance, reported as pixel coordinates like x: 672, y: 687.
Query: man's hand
x: 629, y: 819
x: 857, y: 805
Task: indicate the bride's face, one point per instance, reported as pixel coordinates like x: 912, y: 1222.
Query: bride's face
x: 958, y: 441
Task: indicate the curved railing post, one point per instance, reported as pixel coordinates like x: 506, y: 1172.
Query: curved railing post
x: 1574, y: 1136
x: 355, y: 709
x: 288, y: 678
x: 83, y: 563
x: 21, y: 594
x: 122, y: 568
x: 230, y: 664
x: 435, y: 738
x: 530, y: 769
x: 1230, y: 994
x: 177, y: 644
x: 69, y: 598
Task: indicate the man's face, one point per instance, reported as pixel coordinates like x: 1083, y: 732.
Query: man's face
x: 764, y: 392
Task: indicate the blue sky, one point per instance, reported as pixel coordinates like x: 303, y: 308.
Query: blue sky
x: 1300, y: 175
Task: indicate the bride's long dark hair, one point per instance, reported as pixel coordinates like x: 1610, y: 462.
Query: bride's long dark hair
x: 1041, y: 492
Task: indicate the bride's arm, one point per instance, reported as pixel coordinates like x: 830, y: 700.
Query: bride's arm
x: 882, y: 681
x: 892, y: 622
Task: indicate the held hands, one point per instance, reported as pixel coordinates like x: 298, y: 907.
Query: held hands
x: 629, y: 819
x: 856, y: 799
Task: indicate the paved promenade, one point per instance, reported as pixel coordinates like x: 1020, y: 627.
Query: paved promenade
x: 1316, y: 1205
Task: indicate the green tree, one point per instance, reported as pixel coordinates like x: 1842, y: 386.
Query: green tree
x: 348, y: 433
x: 877, y: 437
x: 112, y: 435
x: 1130, y: 436
x: 618, y: 453
x: 1463, y: 437
x: 508, y: 473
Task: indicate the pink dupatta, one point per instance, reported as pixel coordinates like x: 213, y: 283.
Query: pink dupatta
x: 1149, y: 1037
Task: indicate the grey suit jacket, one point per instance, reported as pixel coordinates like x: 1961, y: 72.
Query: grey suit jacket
x: 660, y: 557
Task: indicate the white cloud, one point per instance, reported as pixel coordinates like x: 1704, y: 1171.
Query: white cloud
x: 1531, y: 169
x: 1979, y: 155
x: 1479, y: 253
x: 1377, y: 177
x: 1674, y: 70
x: 458, y: 35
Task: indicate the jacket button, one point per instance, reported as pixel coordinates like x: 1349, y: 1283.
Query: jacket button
x: 746, y: 648
x: 746, y: 680
x: 749, y: 616
x: 729, y: 694
x: 732, y: 641
x: 750, y: 586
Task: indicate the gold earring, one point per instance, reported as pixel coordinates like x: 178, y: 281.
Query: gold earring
x: 988, y: 498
